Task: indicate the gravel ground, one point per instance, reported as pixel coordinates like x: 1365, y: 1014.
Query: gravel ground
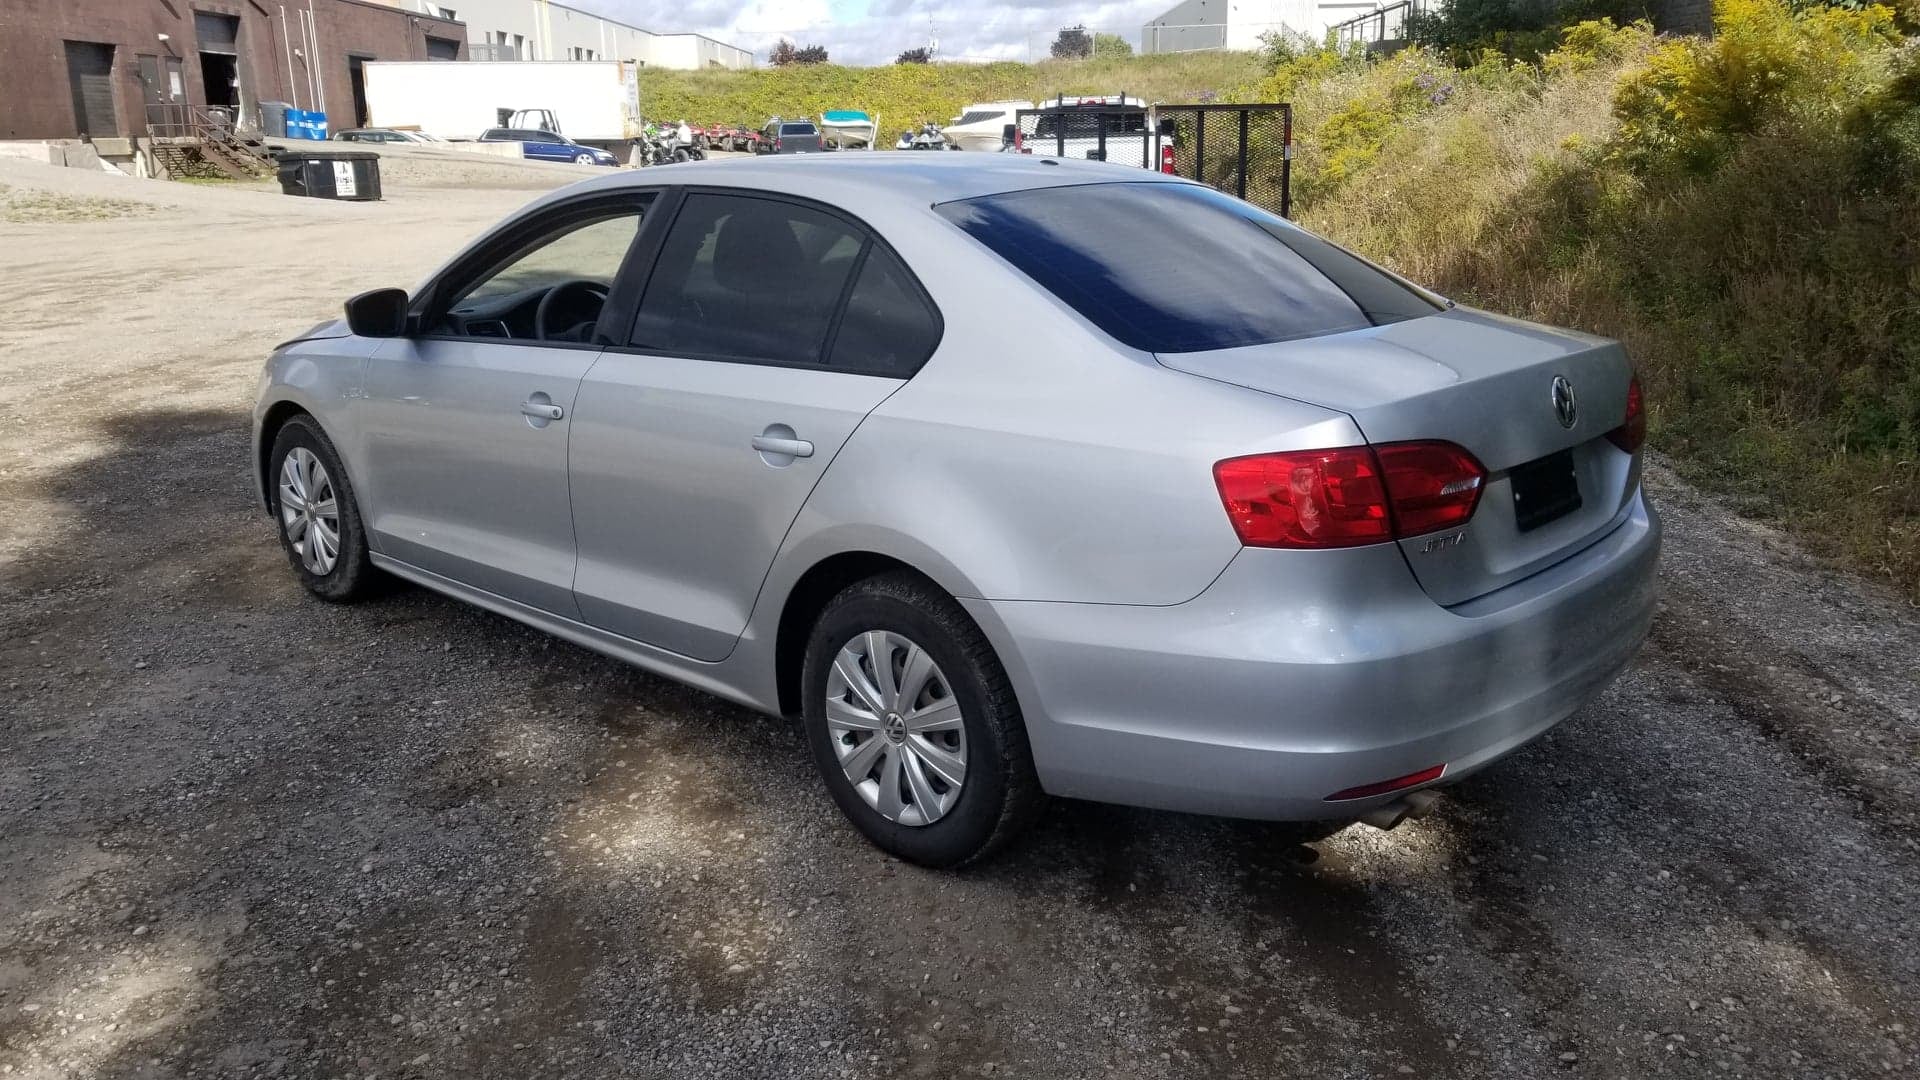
x: 243, y: 833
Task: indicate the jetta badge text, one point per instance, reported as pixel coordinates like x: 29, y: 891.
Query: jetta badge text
x: 1563, y: 405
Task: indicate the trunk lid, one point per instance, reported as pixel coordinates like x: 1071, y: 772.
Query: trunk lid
x: 1486, y: 383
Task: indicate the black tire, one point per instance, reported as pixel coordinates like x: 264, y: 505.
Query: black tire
x: 353, y: 575
x: 1000, y: 794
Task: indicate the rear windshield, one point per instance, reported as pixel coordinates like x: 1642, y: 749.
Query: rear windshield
x: 796, y: 129
x: 1086, y: 125
x: 1173, y: 268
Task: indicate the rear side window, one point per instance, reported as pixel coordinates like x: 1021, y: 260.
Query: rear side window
x: 747, y: 279
x: 888, y: 328
x: 1174, y: 268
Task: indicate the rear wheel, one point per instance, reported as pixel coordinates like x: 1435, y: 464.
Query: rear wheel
x: 914, y: 726
x: 320, y: 526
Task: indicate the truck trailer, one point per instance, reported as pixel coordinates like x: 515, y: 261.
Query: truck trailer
x: 595, y: 102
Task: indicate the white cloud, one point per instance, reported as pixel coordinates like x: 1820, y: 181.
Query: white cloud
x: 875, y: 31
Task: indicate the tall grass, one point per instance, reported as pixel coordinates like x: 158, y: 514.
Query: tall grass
x: 1744, y: 212
x: 905, y: 95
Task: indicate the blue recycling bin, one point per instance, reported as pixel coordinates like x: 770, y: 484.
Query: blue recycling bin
x: 306, y: 124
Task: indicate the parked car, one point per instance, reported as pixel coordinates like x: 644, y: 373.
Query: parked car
x: 788, y: 137
x: 387, y: 135
x: 541, y: 145
x: 1213, y: 516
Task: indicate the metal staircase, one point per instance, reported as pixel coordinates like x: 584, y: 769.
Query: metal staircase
x: 192, y: 140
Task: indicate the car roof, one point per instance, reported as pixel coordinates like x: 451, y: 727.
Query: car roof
x: 855, y: 178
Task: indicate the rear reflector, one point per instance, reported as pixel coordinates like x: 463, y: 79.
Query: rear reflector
x: 1166, y: 161
x: 1632, y: 432
x: 1348, y: 496
x: 1367, y: 791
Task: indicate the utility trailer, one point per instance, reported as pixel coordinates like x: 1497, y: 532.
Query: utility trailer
x: 594, y: 102
x: 1243, y: 150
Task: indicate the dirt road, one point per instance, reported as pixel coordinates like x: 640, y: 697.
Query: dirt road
x: 243, y: 833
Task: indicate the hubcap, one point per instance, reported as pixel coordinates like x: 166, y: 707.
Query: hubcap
x: 896, y: 728
x: 309, y: 511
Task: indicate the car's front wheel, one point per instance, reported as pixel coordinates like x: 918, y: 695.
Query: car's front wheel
x: 583, y: 159
x: 313, y: 505
x: 913, y: 724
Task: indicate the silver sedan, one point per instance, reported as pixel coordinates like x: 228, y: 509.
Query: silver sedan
x: 1004, y: 477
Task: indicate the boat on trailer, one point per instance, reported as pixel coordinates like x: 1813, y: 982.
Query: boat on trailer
x: 849, y: 127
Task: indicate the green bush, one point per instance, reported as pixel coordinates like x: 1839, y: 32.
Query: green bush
x: 1697, y: 98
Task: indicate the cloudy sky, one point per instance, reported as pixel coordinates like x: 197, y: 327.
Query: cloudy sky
x: 875, y: 31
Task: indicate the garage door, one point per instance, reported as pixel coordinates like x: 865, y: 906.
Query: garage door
x: 217, y: 33
x: 90, y: 75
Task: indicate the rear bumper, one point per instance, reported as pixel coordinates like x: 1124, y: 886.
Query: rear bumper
x: 1300, y: 674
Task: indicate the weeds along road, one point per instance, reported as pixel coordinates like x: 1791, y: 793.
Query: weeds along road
x: 243, y: 833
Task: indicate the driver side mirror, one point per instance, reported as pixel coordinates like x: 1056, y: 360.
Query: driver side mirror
x: 378, y: 314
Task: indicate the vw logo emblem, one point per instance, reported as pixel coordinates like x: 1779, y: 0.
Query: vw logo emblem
x: 1563, y: 406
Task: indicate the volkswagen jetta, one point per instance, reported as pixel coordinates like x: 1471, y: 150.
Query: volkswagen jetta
x: 1003, y: 476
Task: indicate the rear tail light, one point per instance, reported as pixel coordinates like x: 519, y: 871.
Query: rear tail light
x: 1349, y: 496
x: 1432, y: 485
x: 1166, y: 161
x: 1632, y: 431
x: 1399, y: 783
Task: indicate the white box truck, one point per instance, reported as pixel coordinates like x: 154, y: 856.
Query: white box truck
x: 594, y: 102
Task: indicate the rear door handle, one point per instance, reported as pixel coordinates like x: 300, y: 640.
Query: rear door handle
x: 773, y: 444
x: 541, y: 410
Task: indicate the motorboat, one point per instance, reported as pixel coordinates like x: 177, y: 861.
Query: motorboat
x: 848, y: 127
x: 982, y: 126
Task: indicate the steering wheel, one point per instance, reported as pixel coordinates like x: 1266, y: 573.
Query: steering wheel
x: 549, y: 304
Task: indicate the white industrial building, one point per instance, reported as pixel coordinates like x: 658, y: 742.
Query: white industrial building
x: 544, y: 30
x: 1194, y: 25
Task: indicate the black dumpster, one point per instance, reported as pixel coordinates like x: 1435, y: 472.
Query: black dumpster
x: 344, y: 175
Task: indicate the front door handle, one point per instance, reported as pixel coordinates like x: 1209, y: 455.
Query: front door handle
x: 774, y: 444
x: 541, y: 410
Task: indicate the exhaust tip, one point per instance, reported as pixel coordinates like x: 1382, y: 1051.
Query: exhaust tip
x: 1417, y: 804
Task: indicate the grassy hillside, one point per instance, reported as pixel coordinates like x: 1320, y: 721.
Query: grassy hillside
x: 903, y: 95
x: 1744, y: 212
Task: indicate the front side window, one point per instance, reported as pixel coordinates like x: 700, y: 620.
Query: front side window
x: 748, y: 279
x: 551, y: 287
x: 1171, y: 268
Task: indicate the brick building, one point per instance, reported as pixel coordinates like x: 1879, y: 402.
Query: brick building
x: 98, y: 69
